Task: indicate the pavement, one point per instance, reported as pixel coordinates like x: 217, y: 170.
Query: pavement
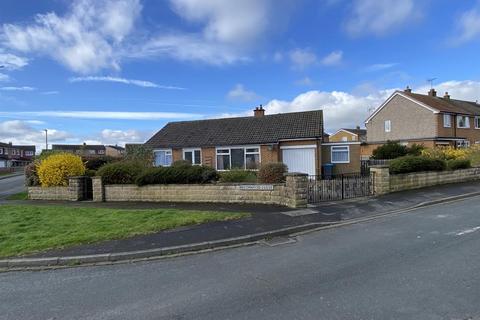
x: 11, y: 184
x: 265, y: 222
x: 424, y: 264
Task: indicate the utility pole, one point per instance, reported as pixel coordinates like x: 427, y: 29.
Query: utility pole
x: 46, y: 139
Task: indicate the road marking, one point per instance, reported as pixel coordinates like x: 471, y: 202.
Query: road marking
x: 467, y: 231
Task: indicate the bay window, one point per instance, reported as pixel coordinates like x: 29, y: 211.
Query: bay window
x: 340, y: 154
x: 244, y: 158
x: 194, y: 156
x: 163, y: 157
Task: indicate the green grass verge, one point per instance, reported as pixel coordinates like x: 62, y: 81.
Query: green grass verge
x: 18, y: 196
x: 27, y: 229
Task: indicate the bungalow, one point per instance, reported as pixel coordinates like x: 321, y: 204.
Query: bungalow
x: 345, y: 135
x: 296, y: 139
x: 86, y: 150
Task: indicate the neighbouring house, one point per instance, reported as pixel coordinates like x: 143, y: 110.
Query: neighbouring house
x: 296, y: 139
x: 349, y: 135
x: 115, y: 151
x: 15, y: 155
x: 84, y: 150
x: 428, y: 120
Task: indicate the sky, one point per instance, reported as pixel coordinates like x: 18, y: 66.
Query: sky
x: 116, y: 71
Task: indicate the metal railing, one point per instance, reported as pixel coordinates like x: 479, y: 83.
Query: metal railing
x: 339, y: 187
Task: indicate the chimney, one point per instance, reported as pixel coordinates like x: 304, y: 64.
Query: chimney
x: 432, y: 93
x: 358, y: 127
x: 446, y: 96
x: 408, y: 89
x: 84, y: 143
x: 259, y: 112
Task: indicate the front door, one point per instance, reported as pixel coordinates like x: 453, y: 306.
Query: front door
x: 300, y: 160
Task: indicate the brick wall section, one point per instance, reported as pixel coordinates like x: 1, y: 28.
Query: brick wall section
x: 72, y: 192
x: 293, y: 193
x: 386, y: 182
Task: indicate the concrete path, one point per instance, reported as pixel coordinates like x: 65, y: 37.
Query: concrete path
x: 424, y: 264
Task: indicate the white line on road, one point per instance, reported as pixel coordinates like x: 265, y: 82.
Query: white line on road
x: 467, y: 231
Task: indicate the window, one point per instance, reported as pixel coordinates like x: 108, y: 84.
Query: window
x: 340, y: 154
x: 194, y: 156
x: 447, y: 121
x: 463, y: 122
x: 163, y: 157
x: 388, y: 126
x: 463, y: 144
x: 477, y: 122
x: 29, y: 153
x: 344, y: 139
x: 1, y: 150
x: 238, y: 158
x: 91, y: 151
x: 101, y: 151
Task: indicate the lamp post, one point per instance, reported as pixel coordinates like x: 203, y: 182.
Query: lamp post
x: 46, y: 139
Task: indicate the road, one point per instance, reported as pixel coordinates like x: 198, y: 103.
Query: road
x: 12, y: 185
x: 423, y: 264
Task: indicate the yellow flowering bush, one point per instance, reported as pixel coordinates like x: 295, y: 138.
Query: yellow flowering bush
x: 447, y: 153
x: 55, y: 170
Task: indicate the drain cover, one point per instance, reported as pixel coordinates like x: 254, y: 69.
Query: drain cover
x: 278, y: 241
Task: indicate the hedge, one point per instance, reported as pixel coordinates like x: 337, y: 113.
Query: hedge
x: 238, y: 176
x: 456, y: 164
x: 273, y: 172
x: 122, y: 172
x: 416, y: 164
x: 177, y: 175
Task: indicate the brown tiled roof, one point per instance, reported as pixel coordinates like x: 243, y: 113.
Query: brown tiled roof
x: 77, y: 147
x: 239, y: 131
x: 446, y: 105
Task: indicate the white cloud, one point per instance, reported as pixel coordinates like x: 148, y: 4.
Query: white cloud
x: 239, y: 93
x: 333, y: 59
x: 379, y: 67
x: 121, y: 137
x: 23, y: 132
x: 463, y: 90
x: 380, y: 17
x: 17, y: 89
x: 85, y: 39
x: 304, y: 82
x: 12, y: 62
x: 4, y: 77
x: 113, y: 115
x: 468, y: 26
x: 139, y: 83
x: 302, y: 58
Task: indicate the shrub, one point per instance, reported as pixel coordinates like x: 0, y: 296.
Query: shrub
x: 415, y: 149
x: 415, y: 164
x: 55, y: 169
x: 446, y: 153
x: 273, y: 172
x: 94, y: 163
x: 456, y: 164
x: 181, y: 164
x: 390, y: 150
x: 31, y: 176
x: 90, y: 173
x: 122, y: 172
x: 238, y: 176
x: 177, y: 175
x: 139, y: 153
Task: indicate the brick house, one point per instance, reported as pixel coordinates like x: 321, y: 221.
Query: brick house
x: 349, y: 135
x: 428, y: 120
x: 85, y: 150
x: 15, y: 155
x: 296, y: 139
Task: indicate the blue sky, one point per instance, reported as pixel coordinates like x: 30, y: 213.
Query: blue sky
x: 106, y: 71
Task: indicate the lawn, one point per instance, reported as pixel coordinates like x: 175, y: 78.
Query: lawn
x: 18, y: 196
x: 27, y: 229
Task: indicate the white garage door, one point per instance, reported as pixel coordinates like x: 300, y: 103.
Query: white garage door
x: 300, y: 160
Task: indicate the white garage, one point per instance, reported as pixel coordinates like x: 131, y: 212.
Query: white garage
x: 299, y: 158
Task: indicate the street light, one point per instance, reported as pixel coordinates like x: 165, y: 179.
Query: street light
x: 46, y: 139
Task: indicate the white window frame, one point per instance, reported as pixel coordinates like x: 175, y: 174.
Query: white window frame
x: 344, y: 139
x: 447, y: 120
x: 477, y: 122
x: 344, y: 148
x: 192, y: 150
x: 162, y: 150
x: 244, y: 155
x: 463, y: 144
x: 29, y: 153
x: 101, y: 151
x: 1, y: 150
x: 387, y: 125
x: 467, y: 122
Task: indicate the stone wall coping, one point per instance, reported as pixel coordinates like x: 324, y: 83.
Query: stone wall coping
x: 433, y: 172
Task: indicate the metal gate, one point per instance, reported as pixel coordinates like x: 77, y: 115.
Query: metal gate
x: 339, y: 187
